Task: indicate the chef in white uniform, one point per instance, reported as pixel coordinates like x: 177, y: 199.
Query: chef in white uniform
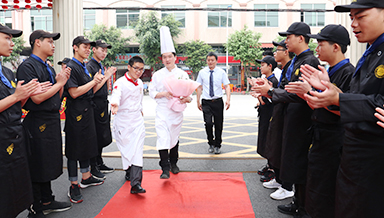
x: 128, y: 124
x: 168, y: 122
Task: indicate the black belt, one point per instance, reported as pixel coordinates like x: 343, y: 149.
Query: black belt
x: 212, y: 100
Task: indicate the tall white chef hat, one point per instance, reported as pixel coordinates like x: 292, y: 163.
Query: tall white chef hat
x: 166, y: 42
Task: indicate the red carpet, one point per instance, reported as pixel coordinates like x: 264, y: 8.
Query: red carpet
x: 187, y: 195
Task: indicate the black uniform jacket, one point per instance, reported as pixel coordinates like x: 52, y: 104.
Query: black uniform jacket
x: 80, y: 131
x: 363, y: 150
x: 101, y: 112
x: 16, y: 193
x: 265, y: 112
x: 324, y: 155
x: 275, y: 128
x: 297, y: 121
x: 43, y: 125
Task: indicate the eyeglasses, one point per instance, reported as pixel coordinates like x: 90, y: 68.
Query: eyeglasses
x: 279, y: 50
x: 138, y: 69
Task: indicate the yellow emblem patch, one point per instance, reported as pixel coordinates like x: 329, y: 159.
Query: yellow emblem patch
x: 42, y: 127
x: 13, y: 84
x: 379, y: 72
x: 10, y: 149
x: 78, y: 118
x: 297, y: 72
x: 102, y: 114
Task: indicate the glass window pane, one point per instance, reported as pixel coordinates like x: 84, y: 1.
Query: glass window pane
x: 121, y: 11
x: 133, y: 18
x: 121, y: 21
x: 213, y: 19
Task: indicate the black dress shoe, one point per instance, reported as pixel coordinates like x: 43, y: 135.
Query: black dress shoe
x: 217, y: 150
x: 175, y: 169
x: 165, y: 174
x: 262, y: 170
x: 291, y: 209
x: 210, y: 149
x: 137, y: 189
x: 268, y: 176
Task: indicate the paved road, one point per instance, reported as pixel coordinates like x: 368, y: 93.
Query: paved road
x: 239, y: 145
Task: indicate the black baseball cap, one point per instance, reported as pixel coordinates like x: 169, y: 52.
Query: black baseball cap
x: 37, y: 34
x: 281, y: 43
x: 269, y: 60
x: 103, y: 44
x: 5, y: 29
x: 364, y: 4
x: 297, y: 28
x: 333, y: 33
x: 64, y: 61
x: 82, y: 40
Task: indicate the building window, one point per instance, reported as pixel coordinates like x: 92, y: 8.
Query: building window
x: 41, y: 20
x: 179, y: 15
x: 6, y: 18
x: 89, y: 19
x: 219, y: 49
x: 266, y: 18
x: 313, y: 18
x: 127, y: 19
x: 219, y: 18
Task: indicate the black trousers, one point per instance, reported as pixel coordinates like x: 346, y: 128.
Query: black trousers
x: 168, y: 159
x: 42, y: 193
x: 286, y: 185
x: 213, y: 116
x: 98, y: 160
x: 136, y: 174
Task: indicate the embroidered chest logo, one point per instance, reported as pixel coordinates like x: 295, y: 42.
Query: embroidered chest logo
x: 297, y: 72
x: 10, y: 149
x: 42, y: 127
x: 102, y: 114
x: 13, y: 84
x: 379, y: 72
x: 78, y: 118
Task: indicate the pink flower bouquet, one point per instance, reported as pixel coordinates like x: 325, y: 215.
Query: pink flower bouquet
x: 180, y: 88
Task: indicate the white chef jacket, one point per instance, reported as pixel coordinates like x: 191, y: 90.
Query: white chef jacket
x: 128, y: 125
x: 168, y: 122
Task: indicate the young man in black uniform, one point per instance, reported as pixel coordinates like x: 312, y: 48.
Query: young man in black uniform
x: 63, y: 63
x: 274, y: 135
x: 80, y: 130
x: 102, y: 115
x: 297, y: 119
x: 16, y: 193
x: 265, y: 106
x: 43, y: 123
x: 358, y: 185
x: 325, y: 152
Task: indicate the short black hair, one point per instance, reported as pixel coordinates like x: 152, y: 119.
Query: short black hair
x: 33, y: 45
x: 343, y: 48
x: 135, y: 59
x: 267, y: 52
x: 210, y: 54
x: 306, y: 38
x: 78, y: 45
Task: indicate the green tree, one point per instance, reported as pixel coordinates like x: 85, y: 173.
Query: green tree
x: 112, y: 36
x: 196, y: 52
x: 244, y: 46
x: 14, y: 58
x: 147, y: 32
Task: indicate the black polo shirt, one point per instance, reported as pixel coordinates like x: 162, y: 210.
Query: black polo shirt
x: 11, y: 115
x: 33, y: 69
x: 93, y: 67
x: 78, y: 78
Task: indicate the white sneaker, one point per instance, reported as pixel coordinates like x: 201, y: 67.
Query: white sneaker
x: 272, y: 184
x: 281, y: 194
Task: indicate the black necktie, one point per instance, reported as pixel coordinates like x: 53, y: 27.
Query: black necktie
x: 211, y: 93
